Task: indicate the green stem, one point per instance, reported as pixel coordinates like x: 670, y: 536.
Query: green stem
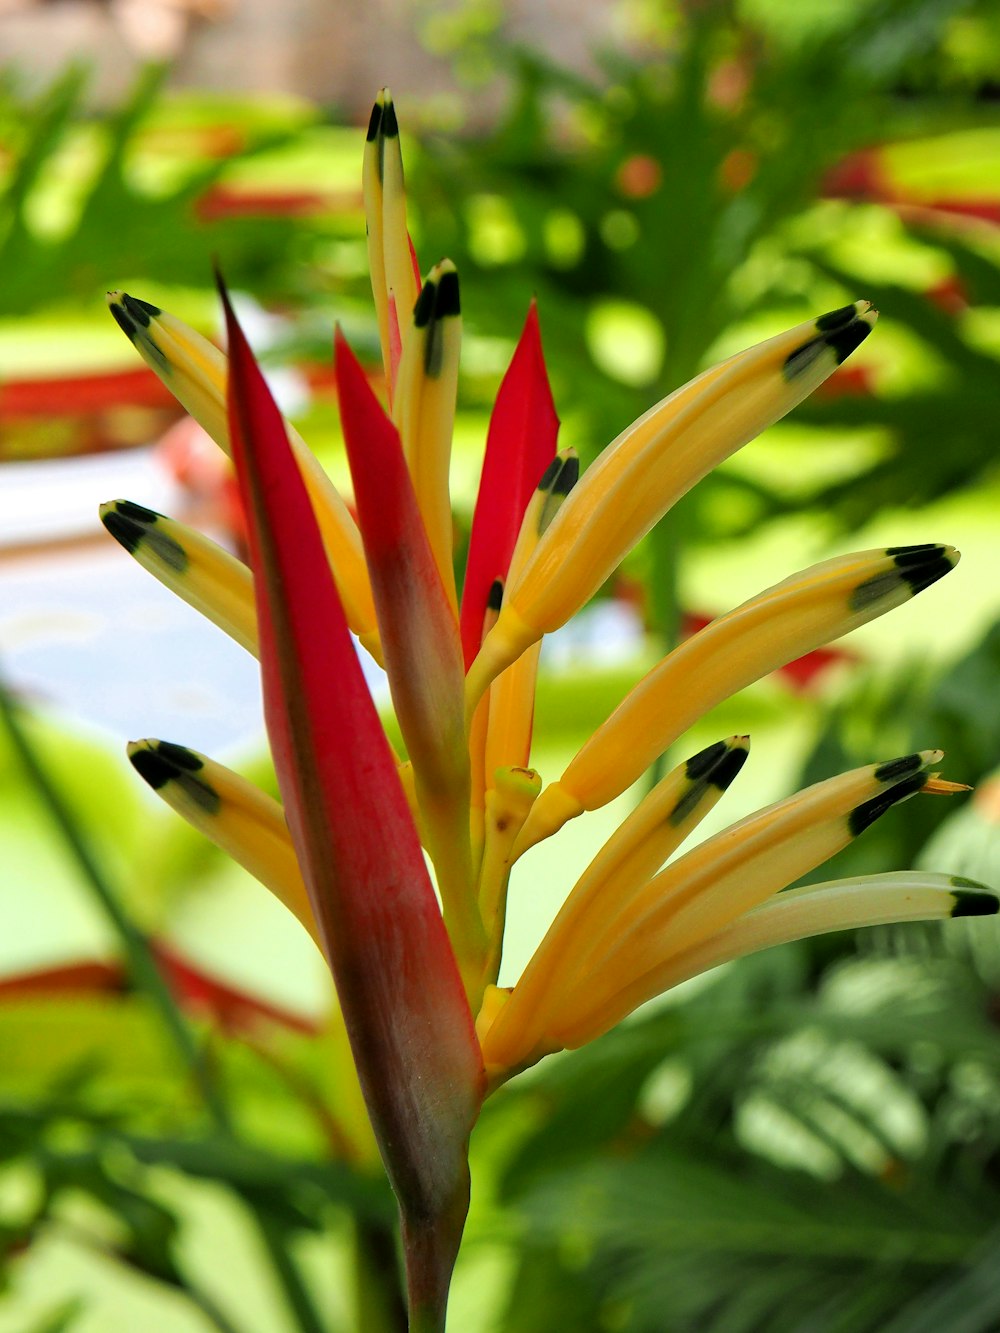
x: 430, y: 1248
x: 147, y: 978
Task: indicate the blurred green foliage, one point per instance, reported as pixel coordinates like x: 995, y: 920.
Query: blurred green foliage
x: 655, y: 212
x: 809, y: 1140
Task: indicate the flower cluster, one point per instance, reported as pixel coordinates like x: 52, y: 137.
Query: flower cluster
x: 431, y: 1031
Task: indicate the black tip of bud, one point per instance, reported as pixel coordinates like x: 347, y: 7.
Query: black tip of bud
x: 549, y: 475
x: 141, y: 311
x: 163, y: 761
x: 864, y: 815
x: 920, y: 574
x: 567, y: 476
x: 894, y: 769
x: 912, y: 555
x: 844, y: 341
x: 125, y: 532
x: 841, y: 330
x: 390, y: 126
x: 151, y: 768
x: 980, y: 901
x: 180, y: 756
x: 423, y: 308
x: 494, y: 599
x: 715, y: 766
x: 728, y: 767
x: 702, y: 763
x: 133, y: 525
x: 915, y: 566
x: 138, y: 512
x: 448, y: 302
x: 123, y: 321
x: 373, y: 124
x: 836, y: 319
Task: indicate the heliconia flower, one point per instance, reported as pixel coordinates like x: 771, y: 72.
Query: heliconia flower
x: 431, y: 1030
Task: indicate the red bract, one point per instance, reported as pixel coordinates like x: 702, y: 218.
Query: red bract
x: 407, y: 1017
x: 419, y: 634
x: 520, y: 445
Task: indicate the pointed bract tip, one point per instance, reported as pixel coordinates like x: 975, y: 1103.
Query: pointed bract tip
x: 344, y: 360
x: 531, y: 331
x: 220, y: 286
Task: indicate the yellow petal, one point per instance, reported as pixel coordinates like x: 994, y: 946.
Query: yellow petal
x: 846, y: 904
x: 394, y: 284
x: 809, y: 609
x: 424, y: 407
x: 726, y: 876
x: 651, y: 833
x: 198, y: 570
x: 245, y: 822
x: 652, y: 464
